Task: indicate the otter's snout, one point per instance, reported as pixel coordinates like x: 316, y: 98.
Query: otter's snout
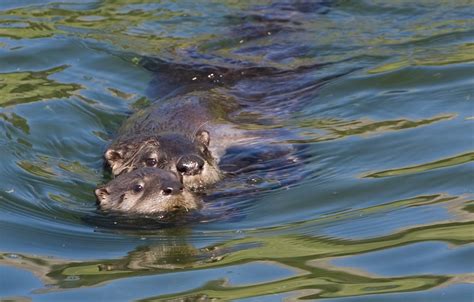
x: 190, y: 165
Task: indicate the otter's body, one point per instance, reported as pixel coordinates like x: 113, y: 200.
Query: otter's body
x: 186, y: 134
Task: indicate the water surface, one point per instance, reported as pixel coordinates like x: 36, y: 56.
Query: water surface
x: 375, y: 96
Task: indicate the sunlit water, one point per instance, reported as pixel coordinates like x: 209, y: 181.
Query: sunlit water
x: 376, y: 97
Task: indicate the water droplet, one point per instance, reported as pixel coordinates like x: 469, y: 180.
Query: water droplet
x: 135, y: 60
x: 254, y: 180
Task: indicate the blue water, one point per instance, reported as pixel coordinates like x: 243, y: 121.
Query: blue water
x: 376, y: 97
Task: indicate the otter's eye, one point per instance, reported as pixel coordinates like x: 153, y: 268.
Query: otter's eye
x: 167, y: 191
x: 150, y: 162
x: 137, y: 188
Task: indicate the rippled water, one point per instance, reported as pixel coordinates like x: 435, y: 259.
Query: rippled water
x: 375, y: 96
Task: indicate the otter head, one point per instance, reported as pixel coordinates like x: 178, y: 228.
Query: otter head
x: 146, y: 191
x: 122, y: 155
x: 188, y: 156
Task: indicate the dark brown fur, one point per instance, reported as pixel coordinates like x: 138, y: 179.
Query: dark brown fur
x: 194, y: 125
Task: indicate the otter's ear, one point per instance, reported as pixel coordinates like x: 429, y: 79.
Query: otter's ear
x: 112, y: 155
x: 102, y: 194
x: 203, y: 137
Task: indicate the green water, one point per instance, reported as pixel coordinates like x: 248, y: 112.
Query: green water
x: 378, y: 207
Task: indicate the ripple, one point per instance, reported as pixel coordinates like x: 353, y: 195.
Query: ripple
x: 302, y: 255
x: 26, y: 87
x: 373, y: 101
x: 337, y: 129
x: 443, y: 163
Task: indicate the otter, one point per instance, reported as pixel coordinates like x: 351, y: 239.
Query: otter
x: 186, y: 134
x: 146, y: 191
x: 190, y: 131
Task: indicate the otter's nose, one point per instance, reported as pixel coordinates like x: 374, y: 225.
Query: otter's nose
x: 190, y: 165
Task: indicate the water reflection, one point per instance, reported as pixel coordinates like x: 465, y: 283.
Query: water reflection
x: 337, y: 129
x: 26, y: 87
x: 375, y: 97
x: 16, y: 121
x: 443, y: 163
x: 307, y: 256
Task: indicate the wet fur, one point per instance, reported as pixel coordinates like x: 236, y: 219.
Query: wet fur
x: 174, y: 128
x: 119, y: 196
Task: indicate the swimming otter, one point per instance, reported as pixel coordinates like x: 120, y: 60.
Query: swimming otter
x: 190, y: 132
x: 187, y: 134
x: 146, y: 191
